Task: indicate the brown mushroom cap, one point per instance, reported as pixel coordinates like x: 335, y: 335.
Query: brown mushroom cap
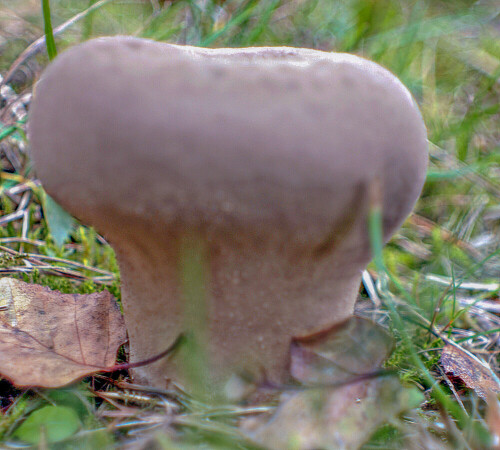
x: 266, y: 154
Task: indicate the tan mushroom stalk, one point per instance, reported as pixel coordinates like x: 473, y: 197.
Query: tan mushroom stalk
x: 265, y: 155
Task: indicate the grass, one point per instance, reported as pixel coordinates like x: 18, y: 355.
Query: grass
x: 448, y: 54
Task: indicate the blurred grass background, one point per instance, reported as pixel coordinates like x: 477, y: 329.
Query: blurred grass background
x: 446, y: 52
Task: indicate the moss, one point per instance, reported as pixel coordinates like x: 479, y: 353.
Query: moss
x: 13, y: 415
x: 387, y: 437
x: 401, y: 358
x: 67, y: 285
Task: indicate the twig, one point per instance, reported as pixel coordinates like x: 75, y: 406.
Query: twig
x: 181, y: 339
x: 489, y: 287
x: 370, y: 289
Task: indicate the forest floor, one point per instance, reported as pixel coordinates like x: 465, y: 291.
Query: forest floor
x: 434, y: 289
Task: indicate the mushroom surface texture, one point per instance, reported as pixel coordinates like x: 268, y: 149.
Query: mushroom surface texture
x: 263, y: 159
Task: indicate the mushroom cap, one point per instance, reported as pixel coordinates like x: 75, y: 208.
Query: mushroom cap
x: 275, y: 144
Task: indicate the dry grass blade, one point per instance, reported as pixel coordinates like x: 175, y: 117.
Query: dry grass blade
x: 35, y: 262
x: 426, y: 226
x: 40, y: 43
x: 489, y: 287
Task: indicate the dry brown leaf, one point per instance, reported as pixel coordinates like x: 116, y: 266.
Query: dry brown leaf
x: 476, y: 374
x: 342, y: 418
x: 353, y: 348
x: 50, y: 339
x: 349, y: 401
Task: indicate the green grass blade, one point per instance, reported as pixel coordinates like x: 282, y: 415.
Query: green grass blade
x: 233, y: 23
x: 49, y: 34
x: 193, y: 266
x: 262, y: 25
x: 6, y: 132
x: 480, y: 435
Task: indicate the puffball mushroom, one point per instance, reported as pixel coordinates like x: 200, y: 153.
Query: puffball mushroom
x: 264, y: 155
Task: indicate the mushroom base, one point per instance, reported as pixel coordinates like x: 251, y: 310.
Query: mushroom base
x: 243, y: 305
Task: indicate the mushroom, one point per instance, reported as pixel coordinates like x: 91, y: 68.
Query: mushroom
x: 263, y: 158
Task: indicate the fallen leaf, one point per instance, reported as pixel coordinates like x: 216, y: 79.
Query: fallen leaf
x: 48, y: 425
x: 344, y: 397
x: 352, y: 348
x: 50, y: 339
x: 475, y: 374
x: 342, y: 418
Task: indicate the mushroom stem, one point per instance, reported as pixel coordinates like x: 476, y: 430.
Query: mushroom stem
x: 249, y: 323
